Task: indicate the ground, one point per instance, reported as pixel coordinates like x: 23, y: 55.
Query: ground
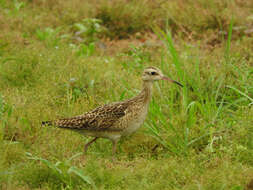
x: 63, y: 58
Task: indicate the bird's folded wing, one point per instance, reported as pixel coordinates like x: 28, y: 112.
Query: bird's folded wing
x: 99, y: 119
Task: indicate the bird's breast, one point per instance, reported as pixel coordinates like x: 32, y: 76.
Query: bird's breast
x: 135, y: 120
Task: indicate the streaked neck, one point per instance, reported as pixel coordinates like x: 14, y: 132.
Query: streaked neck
x: 147, y: 91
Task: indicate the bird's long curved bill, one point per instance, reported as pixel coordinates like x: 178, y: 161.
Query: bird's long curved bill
x: 173, y: 81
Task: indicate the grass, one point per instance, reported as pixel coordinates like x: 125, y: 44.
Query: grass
x: 60, y: 59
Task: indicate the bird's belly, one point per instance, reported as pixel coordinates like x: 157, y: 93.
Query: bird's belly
x: 113, y: 135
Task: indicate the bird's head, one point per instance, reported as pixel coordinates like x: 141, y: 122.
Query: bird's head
x: 152, y: 74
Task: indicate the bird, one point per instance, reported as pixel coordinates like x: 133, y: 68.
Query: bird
x: 114, y: 120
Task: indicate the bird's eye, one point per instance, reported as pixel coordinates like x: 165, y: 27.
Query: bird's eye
x: 153, y: 73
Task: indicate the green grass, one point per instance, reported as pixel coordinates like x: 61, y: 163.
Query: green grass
x: 57, y: 60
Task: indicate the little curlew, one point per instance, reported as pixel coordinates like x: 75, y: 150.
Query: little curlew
x: 112, y: 121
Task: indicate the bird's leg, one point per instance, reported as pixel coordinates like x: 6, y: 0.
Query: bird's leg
x: 114, y: 147
x: 89, y: 143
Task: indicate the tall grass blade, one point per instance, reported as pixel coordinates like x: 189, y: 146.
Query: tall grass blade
x: 228, y: 45
x: 75, y: 156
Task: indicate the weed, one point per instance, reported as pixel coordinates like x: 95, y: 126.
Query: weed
x: 89, y: 29
x: 49, y: 35
x: 86, y: 50
x: 64, y: 170
x: 18, y: 5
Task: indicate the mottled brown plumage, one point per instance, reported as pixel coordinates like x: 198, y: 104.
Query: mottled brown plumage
x: 116, y: 119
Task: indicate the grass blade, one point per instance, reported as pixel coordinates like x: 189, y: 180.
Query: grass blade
x: 80, y: 174
x: 240, y: 92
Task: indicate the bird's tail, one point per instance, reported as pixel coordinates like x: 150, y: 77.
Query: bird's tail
x: 46, y: 123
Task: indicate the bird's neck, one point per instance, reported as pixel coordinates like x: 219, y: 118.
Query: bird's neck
x: 146, y: 92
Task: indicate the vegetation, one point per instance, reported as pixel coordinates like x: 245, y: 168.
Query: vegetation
x: 63, y: 58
